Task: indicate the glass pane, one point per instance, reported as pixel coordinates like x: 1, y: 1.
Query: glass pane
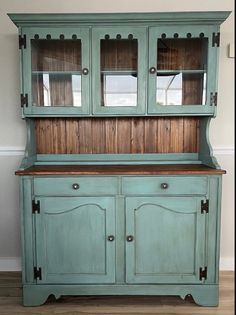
x: 181, y: 89
x: 181, y: 71
x: 119, y: 72
x: 56, y: 72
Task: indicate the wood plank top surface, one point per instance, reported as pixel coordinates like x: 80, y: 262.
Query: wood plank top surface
x: 170, y: 169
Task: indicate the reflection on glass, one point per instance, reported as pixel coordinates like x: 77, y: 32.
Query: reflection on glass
x: 120, y: 90
x: 46, y: 90
x: 172, y: 89
x: 119, y: 72
x: 58, y: 89
x: 56, y: 72
x: 169, y: 90
x: 181, y: 71
x: 76, y: 89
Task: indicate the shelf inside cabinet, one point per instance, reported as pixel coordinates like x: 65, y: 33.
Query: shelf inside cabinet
x: 56, y: 72
x: 178, y: 71
x: 119, y: 72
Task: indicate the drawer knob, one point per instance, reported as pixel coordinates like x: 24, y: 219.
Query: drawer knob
x: 130, y: 238
x: 75, y: 186
x: 111, y: 238
x: 164, y: 186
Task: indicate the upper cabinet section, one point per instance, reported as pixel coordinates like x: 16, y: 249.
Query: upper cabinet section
x: 182, y: 69
x: 119, y: 64
x: 56, y: 71
x: 119, y: 57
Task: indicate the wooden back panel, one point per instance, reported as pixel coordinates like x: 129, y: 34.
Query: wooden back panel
x: 117, y: 135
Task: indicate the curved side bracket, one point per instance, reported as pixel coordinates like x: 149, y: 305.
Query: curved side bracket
x: 30, y: 149
x: 205, y: 148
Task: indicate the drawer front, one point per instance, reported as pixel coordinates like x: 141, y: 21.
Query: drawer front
x: 169, y: 185
x: 75, y: 186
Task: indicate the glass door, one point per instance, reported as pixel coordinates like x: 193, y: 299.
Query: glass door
x: 119, y: 57
x: 182, y: 64
x: 56, y: 65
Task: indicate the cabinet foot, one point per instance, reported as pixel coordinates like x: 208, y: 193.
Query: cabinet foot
x: 37, y: 296
x: 205, y: 296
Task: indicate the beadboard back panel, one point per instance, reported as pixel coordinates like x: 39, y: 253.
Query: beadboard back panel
x: 117, y: 135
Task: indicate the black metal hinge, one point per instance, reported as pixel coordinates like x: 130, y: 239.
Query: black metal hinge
x: 35, y: 206
x: 205, y: 206
x: 24, y: 100
x: 213, y: 99
x: 202, y: 273
x: 216, y: 39
x: 37, y: 273
x: 22, y: 41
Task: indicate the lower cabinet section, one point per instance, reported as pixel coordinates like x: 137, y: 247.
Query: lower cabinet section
x: 118, y: 241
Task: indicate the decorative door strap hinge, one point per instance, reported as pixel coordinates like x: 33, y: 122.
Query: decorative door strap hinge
x: 22, y: 41
x: 204, y: 206
x: 24, y: 100
x: 37, y: 273
x: 35, y: 206
x: 213, y: 99
x: 215, y: 39
x: 202, y: 273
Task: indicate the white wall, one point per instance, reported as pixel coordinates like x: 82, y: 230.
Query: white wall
x: 12, y: 128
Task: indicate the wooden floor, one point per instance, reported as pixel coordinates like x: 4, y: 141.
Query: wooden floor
x: 10, y: 302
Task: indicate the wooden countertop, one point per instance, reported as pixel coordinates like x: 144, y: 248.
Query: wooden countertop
x: 170, y: 169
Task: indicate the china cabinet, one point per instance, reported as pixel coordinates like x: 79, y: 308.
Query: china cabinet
x: 120, y: 191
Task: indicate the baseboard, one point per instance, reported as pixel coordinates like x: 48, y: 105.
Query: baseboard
x: 14, y: 263
x: 227, y: 263
x: 10, y: 264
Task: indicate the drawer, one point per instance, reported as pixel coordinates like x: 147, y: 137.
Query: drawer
x: 169, y: 185
x: 75, y: 186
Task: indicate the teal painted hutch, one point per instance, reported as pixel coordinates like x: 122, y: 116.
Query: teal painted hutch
x: 120, y: 191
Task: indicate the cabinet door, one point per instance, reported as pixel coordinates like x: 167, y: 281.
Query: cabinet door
x: 165, y: 239
x: 75, y: 239
x: 56, y: 71
x: 182, y: 70
x: 119, y: 70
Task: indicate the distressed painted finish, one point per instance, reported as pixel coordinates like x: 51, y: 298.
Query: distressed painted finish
x: 210, y: 67
x: 72, y: 243
x: 166, y: 18
x: 138, y: 33
x: 10, y: 289
x: 60, y: 186
x: 146, y: 28
x: 172, y: 237
x: 207, y: 295
x: 82, y: 34
x: 174, y: 185
x: 168, y: 239
x: 130, y: 207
